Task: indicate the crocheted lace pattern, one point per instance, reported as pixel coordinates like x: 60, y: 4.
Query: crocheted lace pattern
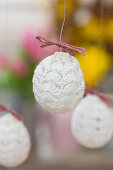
x: 58, y: 83
x: 14, y: 141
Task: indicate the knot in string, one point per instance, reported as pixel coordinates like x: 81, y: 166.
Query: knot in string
x: 64, y: 46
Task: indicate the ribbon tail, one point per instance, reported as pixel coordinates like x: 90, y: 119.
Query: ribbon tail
x: 81, y: 51
x: 74, y: 48
x: 46, y: 45
x: 110, y: 96
x: 104, y: 97
x: 105, y: 100
x: 3, y: 108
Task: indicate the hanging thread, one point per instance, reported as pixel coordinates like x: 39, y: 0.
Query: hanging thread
x: 64, y: 46
x: 63, y: 25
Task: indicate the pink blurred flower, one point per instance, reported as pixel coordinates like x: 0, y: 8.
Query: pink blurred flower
x: 32, y: 46
x: 3, y: 61
x: 19, y: 67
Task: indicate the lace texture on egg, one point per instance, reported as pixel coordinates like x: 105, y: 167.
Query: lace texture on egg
x: 58, y: 83
x: 92, y: 122
x: 14, y: 141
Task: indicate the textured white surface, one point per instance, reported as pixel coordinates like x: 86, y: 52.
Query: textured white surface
x: 92, y: 122
x: 58, y: 83
x: 14, y: 141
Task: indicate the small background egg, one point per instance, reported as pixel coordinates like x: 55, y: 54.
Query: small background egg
x: 92, y: 122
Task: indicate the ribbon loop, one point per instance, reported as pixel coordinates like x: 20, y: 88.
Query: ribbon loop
x: 66, y: 47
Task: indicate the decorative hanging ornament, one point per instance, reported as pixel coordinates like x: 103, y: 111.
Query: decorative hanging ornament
x: 92, y: 122
x: 58, y: 83
x: 14, y: 139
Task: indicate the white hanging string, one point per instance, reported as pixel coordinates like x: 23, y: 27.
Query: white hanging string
x: 63, y: 25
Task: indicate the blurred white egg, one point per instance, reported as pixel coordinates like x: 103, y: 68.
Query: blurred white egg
x: 92, y: 122
x: 15, y: 141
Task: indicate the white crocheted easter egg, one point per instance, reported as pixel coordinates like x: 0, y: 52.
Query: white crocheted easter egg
x: 92, y: 122
x: 14, y: 141
x: 58, y: 83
